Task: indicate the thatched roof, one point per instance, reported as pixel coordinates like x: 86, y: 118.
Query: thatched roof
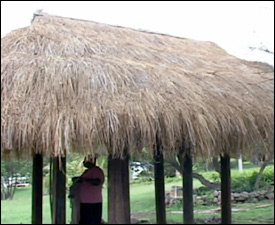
x: 71, y: 85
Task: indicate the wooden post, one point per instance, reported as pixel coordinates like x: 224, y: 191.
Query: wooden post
x: 37, y: 188
x: 188, y: 214
x: 225, y: 190
x: 59, y: 190
x: 159, y: 186
x: 118, y: 191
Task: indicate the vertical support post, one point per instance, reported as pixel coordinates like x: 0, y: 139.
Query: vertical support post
x: 59, y: 190
x: 159, y: 186
x: 188, y: 206
x: 118, y: 191
x: 37, y: 188
x: 225, y: 190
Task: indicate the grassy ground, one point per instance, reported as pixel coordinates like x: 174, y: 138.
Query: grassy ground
x: 18, y: 210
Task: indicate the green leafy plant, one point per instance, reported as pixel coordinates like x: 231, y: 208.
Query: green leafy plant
x: 245, y: 181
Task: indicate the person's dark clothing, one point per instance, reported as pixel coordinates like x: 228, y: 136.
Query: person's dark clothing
x: 90, y: 213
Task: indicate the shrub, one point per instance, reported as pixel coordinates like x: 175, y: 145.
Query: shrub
x: 203, y: 191
x: 245, y: 181
x: 268, y: 176
x: 144, y: 176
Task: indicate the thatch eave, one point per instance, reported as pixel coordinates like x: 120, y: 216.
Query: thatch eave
x: 93, y: 86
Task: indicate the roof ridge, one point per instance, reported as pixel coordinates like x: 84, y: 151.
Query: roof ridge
x: 118, y: 26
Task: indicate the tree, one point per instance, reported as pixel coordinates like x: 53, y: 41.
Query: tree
x: 10, y: 171
x: 262, y: 159
x: 260, y: 174
x: 262, y: 48
x: 178, y: 164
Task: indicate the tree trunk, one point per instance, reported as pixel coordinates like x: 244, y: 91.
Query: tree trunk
x: 204, y: 181
x: 260, y: 174
x: 7, y: 192
x: 240, y: 164
x: 10, y: 189
x: 216, y: 164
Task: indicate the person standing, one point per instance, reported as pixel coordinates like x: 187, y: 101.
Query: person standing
x: 90, y: 193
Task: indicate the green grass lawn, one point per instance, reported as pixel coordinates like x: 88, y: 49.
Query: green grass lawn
x: 18, y: 210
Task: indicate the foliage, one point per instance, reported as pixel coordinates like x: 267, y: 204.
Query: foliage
x: 202, y: 191
x: 16, y: 168
x: 172, y: 179
x: 169, y: 170
x: 10, y: 171
x: 215, y: 177
x: 144, y: 177
x: 74, y: 167
x: 245, y: 181
x: 148, y: 175
x: 240, y: 181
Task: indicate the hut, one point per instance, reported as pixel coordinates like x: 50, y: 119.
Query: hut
x: 71, y: 85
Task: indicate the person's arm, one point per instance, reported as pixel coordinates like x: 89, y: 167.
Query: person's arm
x: 76, y: 180
x: 94, y: 182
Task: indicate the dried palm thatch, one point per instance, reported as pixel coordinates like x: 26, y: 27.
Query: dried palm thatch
x: 70, y: 85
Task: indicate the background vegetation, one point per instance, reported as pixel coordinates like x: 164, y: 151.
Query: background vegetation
x: 18, y: 210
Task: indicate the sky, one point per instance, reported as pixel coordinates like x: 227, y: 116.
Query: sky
x: 238, y: 27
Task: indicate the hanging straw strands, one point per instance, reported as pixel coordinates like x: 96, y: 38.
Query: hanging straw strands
x: 72, y: 85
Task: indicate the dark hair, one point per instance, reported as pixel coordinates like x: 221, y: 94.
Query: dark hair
x: 89, y: 163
